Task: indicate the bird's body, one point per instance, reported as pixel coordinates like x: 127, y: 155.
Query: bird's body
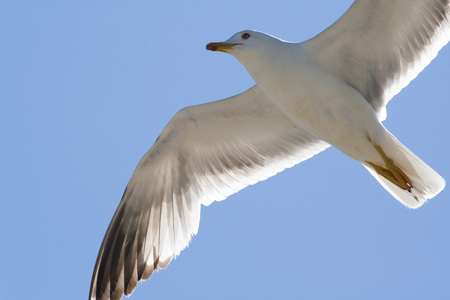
x: 321, y: 102
x: 317, y: 100
x: 329, y: 90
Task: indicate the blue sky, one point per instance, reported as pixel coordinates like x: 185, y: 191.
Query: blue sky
x: 87, y: 87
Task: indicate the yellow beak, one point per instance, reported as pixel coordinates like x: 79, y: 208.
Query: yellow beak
x: 223, y: 47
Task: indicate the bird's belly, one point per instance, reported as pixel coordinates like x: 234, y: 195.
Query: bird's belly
x: 334, y: 112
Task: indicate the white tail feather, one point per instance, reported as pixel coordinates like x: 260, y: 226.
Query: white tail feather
x: 427, y: 183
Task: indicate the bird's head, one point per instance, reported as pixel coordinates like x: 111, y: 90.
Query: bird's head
x: 247, y: 39
x: 250, y: 47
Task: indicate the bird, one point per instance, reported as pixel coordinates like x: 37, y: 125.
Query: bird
x: 330, y: 90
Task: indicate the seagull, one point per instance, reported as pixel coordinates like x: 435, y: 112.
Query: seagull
x: 329, y: 90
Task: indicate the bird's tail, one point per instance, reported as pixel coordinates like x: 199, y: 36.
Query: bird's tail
x: 404, y: 175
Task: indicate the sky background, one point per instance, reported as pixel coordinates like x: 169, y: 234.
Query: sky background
x: 87, y: 86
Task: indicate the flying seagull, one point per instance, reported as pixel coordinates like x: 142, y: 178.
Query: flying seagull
x: 329, y: 90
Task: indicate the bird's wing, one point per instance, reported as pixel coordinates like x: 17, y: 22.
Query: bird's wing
x: 378, y: 47
x: 205, y: 153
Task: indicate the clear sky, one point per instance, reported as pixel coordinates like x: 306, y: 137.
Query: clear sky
x: 87, y: 86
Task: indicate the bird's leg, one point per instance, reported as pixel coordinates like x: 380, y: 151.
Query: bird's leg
x: 391, y: 172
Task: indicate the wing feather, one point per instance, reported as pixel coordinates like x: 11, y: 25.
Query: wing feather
x: 204, y: 154
x: 378, y: 47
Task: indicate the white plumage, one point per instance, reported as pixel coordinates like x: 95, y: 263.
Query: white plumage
x: 331, y: 89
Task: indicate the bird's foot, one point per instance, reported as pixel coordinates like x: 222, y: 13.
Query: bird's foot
x: 392, y: 172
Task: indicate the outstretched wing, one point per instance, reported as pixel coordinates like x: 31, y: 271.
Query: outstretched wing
x: 205, y: 153
x: 378, y: 47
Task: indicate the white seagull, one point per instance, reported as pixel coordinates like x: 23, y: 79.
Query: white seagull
x: 329, y: 90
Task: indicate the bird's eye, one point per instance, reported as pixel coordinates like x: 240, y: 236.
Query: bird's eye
x: 245, y: 36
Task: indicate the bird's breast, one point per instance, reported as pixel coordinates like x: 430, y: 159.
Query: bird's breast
x: 322, y: 104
